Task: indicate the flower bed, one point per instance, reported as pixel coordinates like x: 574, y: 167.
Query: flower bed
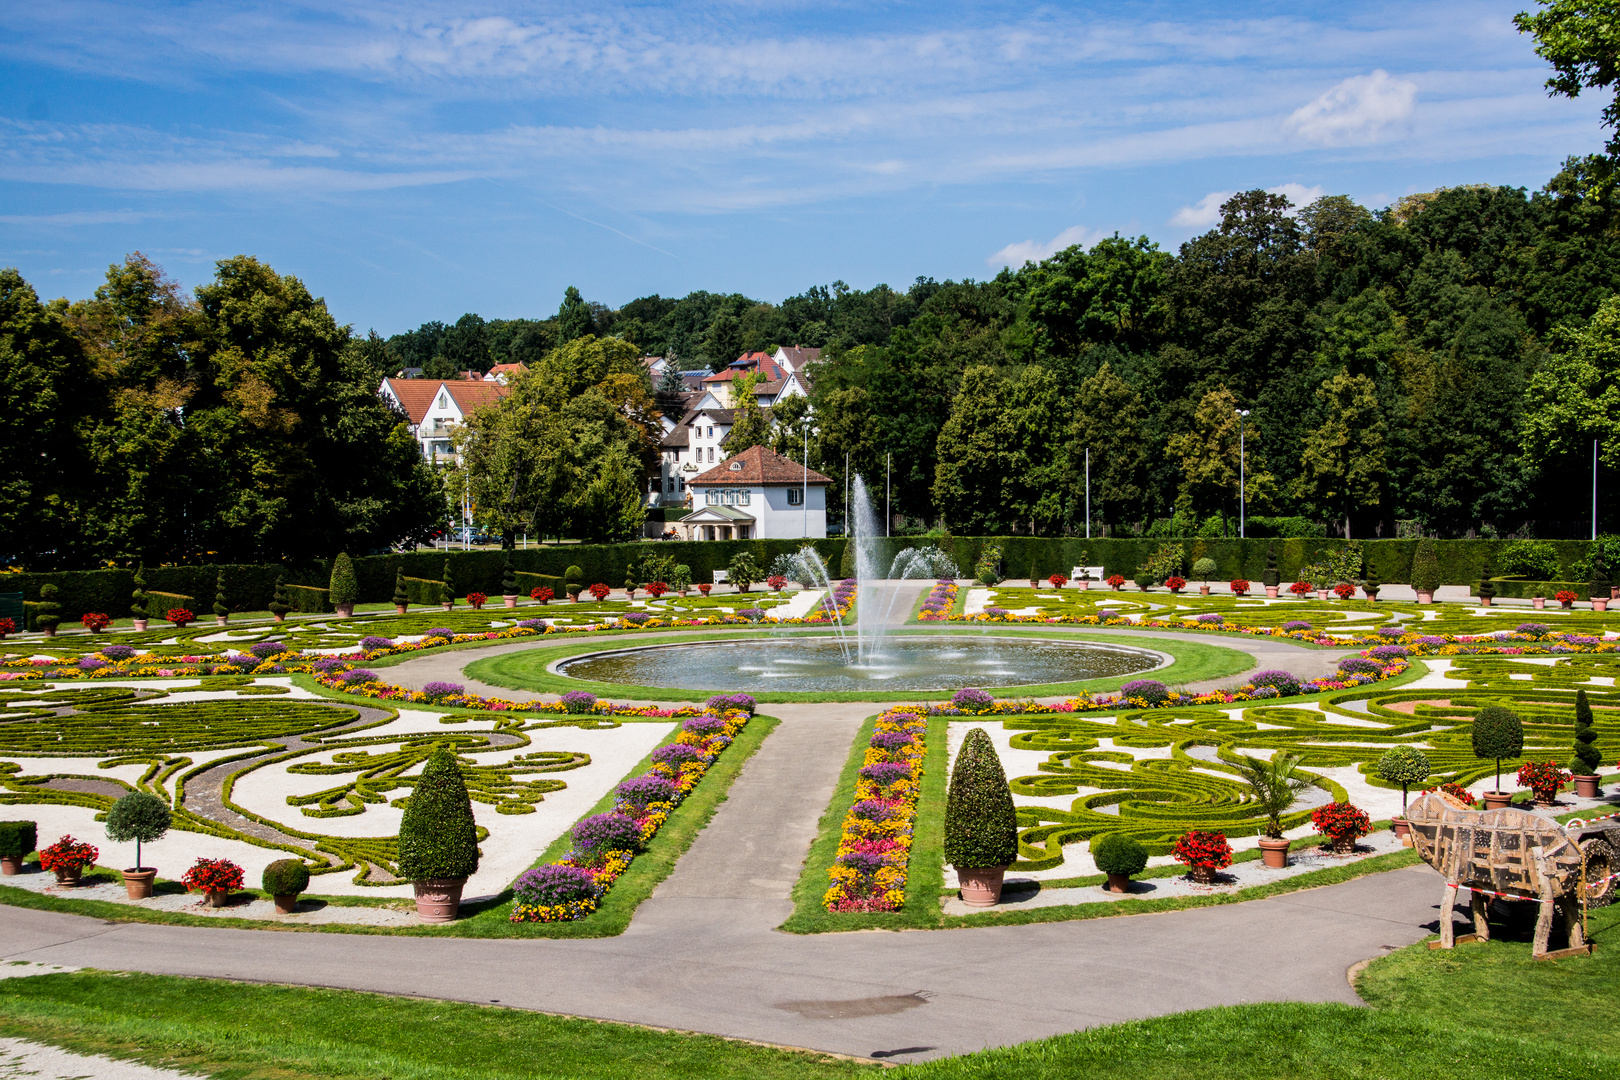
x: 940, y: 601
x: 605, y: 844
x: 869, y: 869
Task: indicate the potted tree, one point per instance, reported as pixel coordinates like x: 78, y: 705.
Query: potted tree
x: 1600, y: 581
x: 144, y: 818
x: 438, y: 838
x: 1203, y: 570
x: 1403, y: 765
x: 402, y: 597
x: 1425, y: 571
x: 571, y: 578
x: 284, y: 879
x: 1276, y: 785
x: 509, y: 585
x: 981, y: 826
x: 17, y: 839
x: 138, y: 599
x: 1370, y: 584
x: 447, y: 587
x: 1034, y: 575
x: 67, y: 859
x: 222, y: 604
x: 279, y: 605
x: 1271, y: 577
x: 1120, y: 857
x: 49, y: 615
x: 1586, y: 760
x: 742, y: 571
x: 345, y: 588
x: 1497, y: 734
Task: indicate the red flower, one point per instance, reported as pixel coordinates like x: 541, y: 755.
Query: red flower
x: 68, y: 853
x: 476, y: 599
x: 1300, y: 588
x: 657, y: 589
x: 1564, y: 596
x: 1201, y: 848
x: 704, y: 589
x: 1344, y: 590
x: 600, y: 591
x: 541, y: 594
x: 1240, y: 585
x: 212, y: 875
x: 1058, y: 581
x: 179, y: 616
x: 1341, y: 821
x: 777, y: 582
x: 1456, y: 791
x: 7, y: 626
x: 1175, y: 583
x: 1544, y: 778
x: 1116, y: 580
x: 94, y: 621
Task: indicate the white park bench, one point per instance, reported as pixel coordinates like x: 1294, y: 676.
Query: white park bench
x: 1087, y: 573
x: 720, y: 577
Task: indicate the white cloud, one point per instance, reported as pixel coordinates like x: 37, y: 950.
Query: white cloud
x: 1036, y: 250
x: 1355, y: 111
x: 1207, y: 211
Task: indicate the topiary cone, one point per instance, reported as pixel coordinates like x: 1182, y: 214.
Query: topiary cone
x: 438, y: 838
x: 402, y: 599
x: 981, y: 826
x: 1587, y: 756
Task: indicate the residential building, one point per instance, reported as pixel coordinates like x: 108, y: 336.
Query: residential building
x: 435, y: 407
x: 756, y: 494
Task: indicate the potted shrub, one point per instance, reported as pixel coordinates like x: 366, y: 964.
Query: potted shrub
x: 1403, y: 765
x: 477, y: 600
x: 509, y: 585
x: 138, y: 600
x: 1344, y: 590
x: 1271, y: 577
x: 1584, y: 765
x: 1425, y: 571
x: 1300, y: 588
x: 571, y: 578
x: 49, y: 615
x: 345, y: 587
x: 1120, y: 857
x: 438, y: 838
x: 680, y: 579
x: 1497, y: 733
x: 17, y: 839
x: 67, y: 859
x: 284, y: 879
x: 981, y: 826
x: 180, y: 617
x: 1276, y: 785
x: 657, y: 589
x: 214, y: 878
x: 1203, y: 570
x: 1034, y: 575
x: 1144, y: 580
x: 1543, y: 778
x: 222, y: 604
x: 94, y: 621
x: 1203, y: 853
x: 742, y: 571
x: 144, y: 818
x: 402, y: 596
x: 1370, y: 584
x: 1175, y: 584
x: 630, y: 587
x: 1115, y: 581
x: 599, y: 592
x: 1341, y: 823
x: 447, y: 587
x: 1600, y: 586
x: 1565, y: 598
x: 279, y: 605
x: 541, y: 594
x: 1240, y: 587
x: 1487, y: 592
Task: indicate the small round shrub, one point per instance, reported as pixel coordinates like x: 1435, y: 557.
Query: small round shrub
x: 1497, y: 733
x: 1204, y: 569
x: 1151, y: 691
x: 285, y: 877
x: 92, y: 663
x: 1119, y: 854
x: 727, y: 702
x: 1284, y: 682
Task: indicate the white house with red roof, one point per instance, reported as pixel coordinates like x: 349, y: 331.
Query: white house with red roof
x: 756, y: 495
x: 434, y: 408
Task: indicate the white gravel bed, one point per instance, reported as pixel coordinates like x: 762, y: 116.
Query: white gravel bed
x: 20, y: 1058
x: 798, y: 607
x: 398, y: 912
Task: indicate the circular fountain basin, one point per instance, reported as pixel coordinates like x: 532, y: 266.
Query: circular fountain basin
x: 818, y: 664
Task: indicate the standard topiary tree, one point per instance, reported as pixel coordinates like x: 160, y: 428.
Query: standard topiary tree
x: 138, y: 598
x: 279, y: 603
x: 402, y: 598
x: 1271, y: 577
x: 222, y: 604
x: 139, y: 816
x: 49, y: 614
x: 438, y: 837
x: 571, y: 578
x: 448, y: 592
x: 344, y: 586
x: 1497, y: 733
x: 981, y: 826
x: 1119, y: 855
x: 1425, y: 568
x: 1404, y: 765
x: 1203, y: 570
x: 1587, y: 756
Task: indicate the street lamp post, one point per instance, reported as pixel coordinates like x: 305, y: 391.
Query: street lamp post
x: 1242, y: 415
x: 1088, y: 493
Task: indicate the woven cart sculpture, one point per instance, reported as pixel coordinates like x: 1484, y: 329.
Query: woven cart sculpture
x: 1507, y: 852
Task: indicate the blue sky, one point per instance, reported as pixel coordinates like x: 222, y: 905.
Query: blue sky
x: 415, y: 160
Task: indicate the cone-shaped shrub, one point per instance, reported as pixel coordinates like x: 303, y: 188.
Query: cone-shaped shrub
x: 1498, y: 734
x: 1600, y: 586
x: 137, y: 599
x: 1370, y: 584
x: 449, y: 594
x: 981, y: 827
x: 508, y: 577
x: 285, y: 877
x: 222, y: 601
x: 1587, y: 755
x: 1272, y: 576
x: 1120, y: 854
x: 345, y: 588
x: 1425, y: 568
x: 139, y: 816
x: 1404, y: 765
x: 437, y: 835
x: 279, y: 604
x: 401, y: 597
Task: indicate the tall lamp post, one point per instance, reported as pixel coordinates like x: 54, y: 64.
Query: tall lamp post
x: 1088, y: 493
x: 1242, y: 415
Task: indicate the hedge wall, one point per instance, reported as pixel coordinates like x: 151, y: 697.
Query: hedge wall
x: 422, y: 591
x: 528, y: 582
x: 314, y: 599
x: 1462, y: 562
x: 1521, y: 589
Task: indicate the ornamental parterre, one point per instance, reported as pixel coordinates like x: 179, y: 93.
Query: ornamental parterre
x: 869, y: 869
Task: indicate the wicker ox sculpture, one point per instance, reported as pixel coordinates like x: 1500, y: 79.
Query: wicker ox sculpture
x: 1507, y: 851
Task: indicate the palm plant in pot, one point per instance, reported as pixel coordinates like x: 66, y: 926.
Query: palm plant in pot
x: 17, y: 839
x: 284, y: 879
x: 1497, y: 733
x: 144, y: 818
x: 1587, y: 757
x: 1120, y: 857
x: 981, y: 826
x: 438, y: 838
x: 1403, y: 765
x: 1275, y: 786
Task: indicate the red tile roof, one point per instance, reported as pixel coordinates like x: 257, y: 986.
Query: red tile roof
x: 758, y: 466
x: 416, y: 395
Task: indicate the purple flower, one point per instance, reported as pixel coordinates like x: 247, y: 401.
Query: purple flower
x: 996, y: 611
x: 1151, y: 691
x: 601, y: 833
x: 1532, y: 629
x: 636, y: 618
x: 972, y: 700
x: 555, y: 883
x: 1211, y: 617
x: 676, y: 754
x: 885, y: 773
x: 1280, y: 682
x: 118, y: 652
x: 1390, y: 631
x: 704, y: 725
x: 371, y: 644
x: 578, y: 702
x: 328, y: 664
x: 1104, y: 614
x: 1296, y: 624
x: 440, y: 690
x: 91, y: 663
x: 648, y: 788
x: 440, y: 632
x: 752, y: 614
x: 892, y: 740
x: 533, y: 624
x: 264, y: 650
x: 727, y: 702
x: 358, y: 676
x: 1353, y: 665
x: 1387, y: 653
x: 873, y: 810
x: 1432, y: 639
x: 863, y: 863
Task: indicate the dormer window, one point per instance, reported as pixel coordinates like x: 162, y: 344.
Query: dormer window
x: 736, y: 466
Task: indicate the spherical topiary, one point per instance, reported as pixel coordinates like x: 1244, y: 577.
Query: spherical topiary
x: 141, y: 817
x: 438, y: 837
x: 345, y: 587
x: 1587, y: 756
x: 1404, y: 765
x: 1497, y: 733
x: 48, y: 616
x: 285, y: 877
x: 1119, y: 854
x: 571, y: 578
x: 981, y: 826
x: 18, y: 838
x: 1204, y: 569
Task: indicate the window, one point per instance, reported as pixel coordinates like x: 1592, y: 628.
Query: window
x: 711, y: 453
x: 711, y: 498
x: 711, y: 435
x: 742, y: 497
x: 731, y: 497
x: 795, y: 496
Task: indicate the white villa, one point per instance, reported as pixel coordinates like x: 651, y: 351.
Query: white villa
x: 756, y: 495
x: 434, y: 407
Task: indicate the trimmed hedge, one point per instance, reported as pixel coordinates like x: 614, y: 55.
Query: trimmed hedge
x: 528, y: 582
x: 159, y: 604
x: 1519, y: 589
x: 424, y: 591
x: 308, y: 598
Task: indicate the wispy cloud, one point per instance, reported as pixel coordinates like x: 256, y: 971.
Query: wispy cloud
x: 81, y: 217
x: 1207, y: 211
x: 1357, y: 110
x: 1037, y: 250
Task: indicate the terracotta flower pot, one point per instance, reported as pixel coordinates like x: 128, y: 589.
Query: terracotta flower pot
x: 138, y: 882
x: 1402, y: 829
x: 399, y: 609
x: 1600, y: 603
x: 49, y: 631
x: 1271, y: 592
x: 1496, y: 800
x: 1585, y: 786
x: 1274, y: 853
x: 10, y: 865
x: 1485, y: 601
x: 511, y: 601
x: 1201, y: 873
x: 1203, y: 590
x: 438, y: 898
x: 280, y: 616
x: 345, y: 611
x: 221, y: 620
x: 285, y: 904
x: 1120, y: 883
x: 69, y: 876
x: 1085, y: 586
x: 1321, y: 594
x: 447, y: 605
x: 981, y: 886
x: 1567, y: 605
x: 1538, y: 602
x: 1425, y: 597
x: 1034, y: 583
x: 1345, y: 845
x: 140, y: 624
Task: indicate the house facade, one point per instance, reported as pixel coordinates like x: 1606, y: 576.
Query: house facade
x: 434, y: 408
x: 756, y: 495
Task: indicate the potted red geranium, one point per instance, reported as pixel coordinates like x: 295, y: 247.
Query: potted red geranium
x: 477, y: 600
x: 776, y: 582
x: 1203, y: 852
x: 1240, y: 587
x: 1117, y: 581
x: 94, y: 621
x: 656, y: 589
x: 1344, y: 590
x: 1341, y: 823
x: 180, y: 616
x: 7, y: 626
x: 1058, y: 580
x: 599, y: 592
x: 1544, y: 778
x: 1300, y: 588
x: 1175, y: 584
x: 542, y: 594
x: 1565, y: 598
x: 213, y: 877
x: 67, y: 859
x: 704, y: 588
